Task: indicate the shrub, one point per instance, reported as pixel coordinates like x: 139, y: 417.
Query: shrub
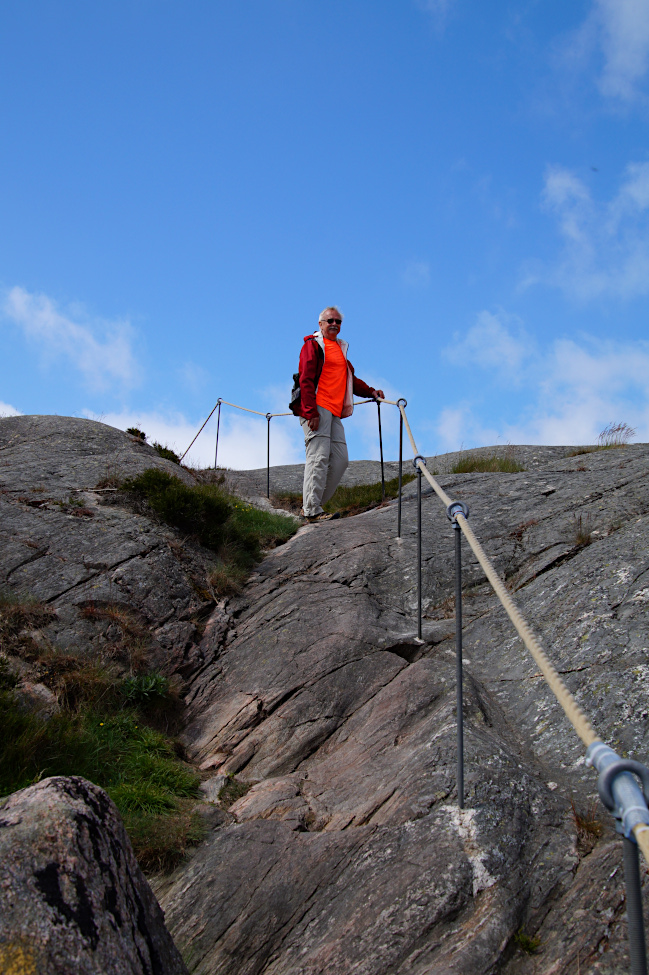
x: 200, y: 510
x: 236, y: 531
x: 166, y: 452
x: 136, y: 432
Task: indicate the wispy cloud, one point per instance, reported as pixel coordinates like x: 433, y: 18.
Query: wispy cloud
x: 194, y: 377
x: 438, y: 8
x: 624, y: 38
x: 460, y: 426
x: 416, y: 274
x: 605, y: 245
x: 242, y: 440
x: 615, y: 33
x: 575, y: 388
x: 100, y: 350
x: 492, y: 343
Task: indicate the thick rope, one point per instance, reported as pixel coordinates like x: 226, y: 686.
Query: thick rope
x: 573, y: 712
x: 246, y: 410
x: 641, y: 833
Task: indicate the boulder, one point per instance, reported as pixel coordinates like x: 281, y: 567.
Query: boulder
x: 72, y: 896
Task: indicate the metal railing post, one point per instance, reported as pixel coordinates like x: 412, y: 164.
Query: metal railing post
x: 451, y: 511
x: 378, y: 406
x: 627, y: 801
x: 416, y: 466
x: 635, y: 920
x: 269, y: 417
x: 218, y: 424
x: 405, y: 403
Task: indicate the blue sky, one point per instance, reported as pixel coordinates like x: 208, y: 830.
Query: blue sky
x: 183, y: 187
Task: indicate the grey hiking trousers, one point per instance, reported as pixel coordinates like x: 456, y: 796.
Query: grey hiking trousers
x: 326, y: 460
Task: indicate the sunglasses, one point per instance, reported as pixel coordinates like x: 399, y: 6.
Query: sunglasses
x: 333, y: 321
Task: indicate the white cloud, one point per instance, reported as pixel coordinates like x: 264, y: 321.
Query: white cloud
x: 615, y: 37
x: 575, y: 389
x: 624, y: 39
x: 416, y: 274
x: 7, y: 410
x: 242, y: 439
x: 490, y: 343
x: 194, y: 377
x: 459, y: 427
x: 101, y: 361
x: 605, y: 245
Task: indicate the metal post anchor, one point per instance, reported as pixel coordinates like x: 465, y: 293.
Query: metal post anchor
x: 635, y: 920
x: 269, y: 417
x: 627, y: 801
x: 400, y: 402
x: 378, y: 406
x: 415, y: 465
x: 218, y: 424
x: 458, y: 507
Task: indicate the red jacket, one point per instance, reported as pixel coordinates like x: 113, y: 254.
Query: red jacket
x: 311, y: 362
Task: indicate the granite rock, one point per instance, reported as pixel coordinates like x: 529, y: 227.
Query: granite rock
x: 323, y: 701
x: 72, y: 896
x: 348, y: 851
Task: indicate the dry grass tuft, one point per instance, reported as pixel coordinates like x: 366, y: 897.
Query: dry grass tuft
x: 589, y: 827
x: 583, y: 530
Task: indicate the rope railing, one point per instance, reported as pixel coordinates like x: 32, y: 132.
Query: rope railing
x: 618, y: 789
x: 269, y: 416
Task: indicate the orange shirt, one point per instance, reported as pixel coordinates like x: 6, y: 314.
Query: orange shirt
x: 332, y: 386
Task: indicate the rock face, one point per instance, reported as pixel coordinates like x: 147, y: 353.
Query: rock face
x: 348, y: 852
x: 289, y: 477
x: 72, y: 897
x: 63, y: 543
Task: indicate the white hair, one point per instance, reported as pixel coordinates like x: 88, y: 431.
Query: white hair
x: 323, y: 313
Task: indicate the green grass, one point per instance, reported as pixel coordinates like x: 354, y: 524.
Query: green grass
x: 237, y: 532
x: 348, y: 500
x: 486, y: 465
x: 111, y: 744
x: 529, y: 945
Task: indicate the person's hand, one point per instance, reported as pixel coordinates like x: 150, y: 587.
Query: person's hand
x: 379, y: 394
x: 314, y: 423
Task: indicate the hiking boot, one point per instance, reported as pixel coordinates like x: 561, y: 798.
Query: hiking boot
x: 323, y: 516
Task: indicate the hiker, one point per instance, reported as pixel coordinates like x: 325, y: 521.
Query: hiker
x: 326, y: 385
